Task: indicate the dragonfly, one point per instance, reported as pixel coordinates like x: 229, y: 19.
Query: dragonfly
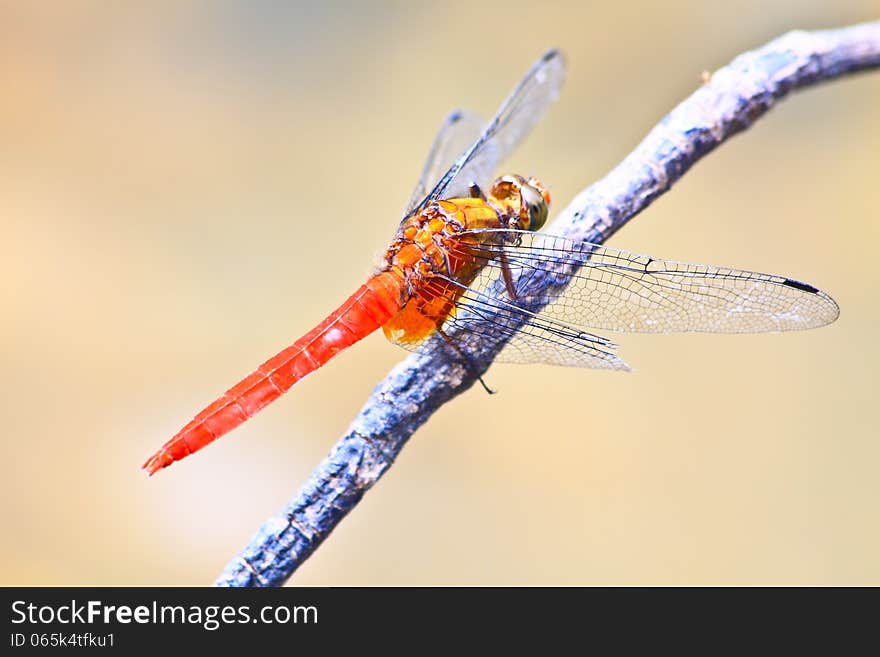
x: 469, y: 267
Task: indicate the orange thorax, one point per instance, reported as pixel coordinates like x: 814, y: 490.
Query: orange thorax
x: 426, y: 253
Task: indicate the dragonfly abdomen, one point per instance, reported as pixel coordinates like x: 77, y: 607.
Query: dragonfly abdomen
x: 372, y: 305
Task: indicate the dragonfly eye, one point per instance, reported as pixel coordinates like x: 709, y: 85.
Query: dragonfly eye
x: 541, y: 187
x: 534, y: 202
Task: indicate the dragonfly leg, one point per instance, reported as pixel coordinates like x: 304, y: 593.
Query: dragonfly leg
x: 476, y: 192
x: 464, y: 357
x: 446, y: 259
x: 507, y: 274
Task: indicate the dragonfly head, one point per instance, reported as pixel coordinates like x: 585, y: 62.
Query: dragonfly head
x: 525, y: 200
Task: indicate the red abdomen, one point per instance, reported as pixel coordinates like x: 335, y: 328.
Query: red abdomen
x: 372, y: 305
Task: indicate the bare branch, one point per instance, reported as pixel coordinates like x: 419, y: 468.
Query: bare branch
x: 731, y: 100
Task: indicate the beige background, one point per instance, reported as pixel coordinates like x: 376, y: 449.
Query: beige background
x: 187, y: 188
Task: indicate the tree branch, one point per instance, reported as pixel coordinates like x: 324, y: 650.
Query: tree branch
x: 729, y: 102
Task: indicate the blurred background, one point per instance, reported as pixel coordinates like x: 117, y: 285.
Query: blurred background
x: 186, y: 188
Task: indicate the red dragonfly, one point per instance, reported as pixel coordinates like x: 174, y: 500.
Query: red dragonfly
x: 467, y: 256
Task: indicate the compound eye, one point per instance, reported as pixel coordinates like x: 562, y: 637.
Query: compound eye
x: 541, y: 187
x: 534, y: 202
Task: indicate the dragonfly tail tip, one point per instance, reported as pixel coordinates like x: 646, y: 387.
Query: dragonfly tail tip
x: 154, y: 464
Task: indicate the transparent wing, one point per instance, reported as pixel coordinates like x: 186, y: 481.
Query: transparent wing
x: 482, y: 320
x: 559, y: 286
x: 554, y: 287
x: 459, y: 130
x: 580, y: 284
x: 518, y: 115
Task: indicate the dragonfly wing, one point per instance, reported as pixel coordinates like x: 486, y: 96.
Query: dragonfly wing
x: 459, y: 130
x: 540, y: 339
x: 586, y: 285
x: 482, y: 319
x: 518, y: 115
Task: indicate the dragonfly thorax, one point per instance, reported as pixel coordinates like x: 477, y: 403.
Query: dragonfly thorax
x: 426, y: 239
